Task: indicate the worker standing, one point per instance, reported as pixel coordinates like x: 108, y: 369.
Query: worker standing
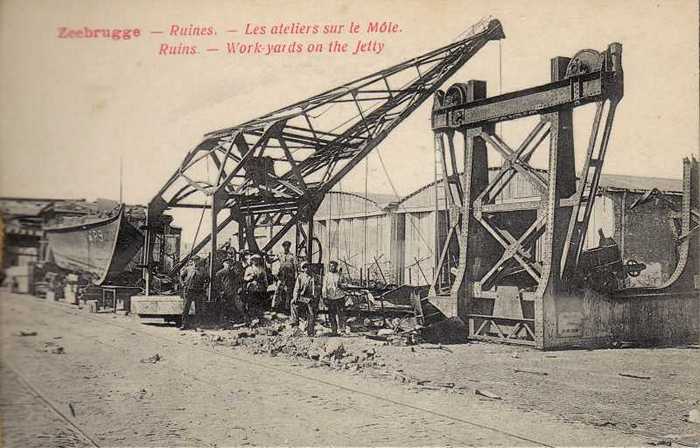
x: 228, y: 282
x: 286, y: 277
x: 195, y: 281
x: 303, y: 298
x: 334, y: 298
x: 255, y: 279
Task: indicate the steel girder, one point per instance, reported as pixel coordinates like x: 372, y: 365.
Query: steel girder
x: 515, y: 257
x: 281, y: 164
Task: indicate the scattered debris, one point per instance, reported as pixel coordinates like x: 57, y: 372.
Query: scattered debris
x: 605, y: 423
x: 623, y: 344
x: 58, y: 350
x: 487, y: 394
x: 403, y: 378
x: 334, y: 350
x: 93, y: 306
x: 435, y: 347
x: 27, y: 333
x: 377, y: 337
x: 534, y: 372
x: 448, y: 331
x: 693, y: 416
x: 664, y: 442
x: 385, y: 332
x: 152, y: 359
x: 639, y: 377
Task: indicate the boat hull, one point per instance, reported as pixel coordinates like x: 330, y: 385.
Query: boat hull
x: 102, y: 248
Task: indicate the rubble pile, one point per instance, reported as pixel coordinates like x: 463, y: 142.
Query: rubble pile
x: 274, y: 335
x: 282, y: 339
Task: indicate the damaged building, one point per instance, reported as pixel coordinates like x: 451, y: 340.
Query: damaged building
x: 395, y: 239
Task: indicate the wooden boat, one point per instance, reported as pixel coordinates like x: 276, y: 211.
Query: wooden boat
x: 100, y: 247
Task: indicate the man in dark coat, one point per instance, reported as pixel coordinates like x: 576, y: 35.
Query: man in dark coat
x: 228, y: 281
x: 195, y: 284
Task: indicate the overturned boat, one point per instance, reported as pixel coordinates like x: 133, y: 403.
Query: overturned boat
x: 99, y: 247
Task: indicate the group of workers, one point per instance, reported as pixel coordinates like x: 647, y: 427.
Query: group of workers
x: 242, y: 286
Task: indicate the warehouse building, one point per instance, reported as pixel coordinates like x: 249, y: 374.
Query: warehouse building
x: 395, y: 240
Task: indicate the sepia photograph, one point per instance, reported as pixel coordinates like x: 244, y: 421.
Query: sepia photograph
x: 349, y: 223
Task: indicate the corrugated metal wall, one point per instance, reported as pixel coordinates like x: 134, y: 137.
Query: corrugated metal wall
x: 359, y: 233
x: 402, y: 236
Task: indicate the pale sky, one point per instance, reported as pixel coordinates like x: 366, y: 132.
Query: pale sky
x: 72, y: 107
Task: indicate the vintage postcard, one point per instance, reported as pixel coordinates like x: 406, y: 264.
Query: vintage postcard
x: 349, y: 223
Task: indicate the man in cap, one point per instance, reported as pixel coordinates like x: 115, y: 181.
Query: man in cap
x: 334, y: 298
x: 195, y: 282
x: 304, y: 298
x: 286, y: 277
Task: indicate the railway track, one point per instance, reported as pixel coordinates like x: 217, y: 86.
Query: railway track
x: 41, y: 404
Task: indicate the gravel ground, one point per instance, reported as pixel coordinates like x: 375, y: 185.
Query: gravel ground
x: 97, y: 376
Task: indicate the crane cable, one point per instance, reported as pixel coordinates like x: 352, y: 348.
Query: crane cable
x: 201, y: 217
x: 364, y: 221
x: 398, y: 198
x: 500, y: 77
x: 386, y: 172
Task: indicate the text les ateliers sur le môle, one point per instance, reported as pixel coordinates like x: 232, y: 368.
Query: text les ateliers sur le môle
x: 243, y: 45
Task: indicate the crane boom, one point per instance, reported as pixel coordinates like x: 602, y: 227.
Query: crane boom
x: 275, y: 169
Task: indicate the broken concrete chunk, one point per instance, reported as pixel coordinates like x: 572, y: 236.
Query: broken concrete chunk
x: 58, y: 350
x: 487, y: 394
x: 334, y: 349
x: 151, y: 359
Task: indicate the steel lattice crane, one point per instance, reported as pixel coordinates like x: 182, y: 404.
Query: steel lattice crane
x: 275, y: 169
